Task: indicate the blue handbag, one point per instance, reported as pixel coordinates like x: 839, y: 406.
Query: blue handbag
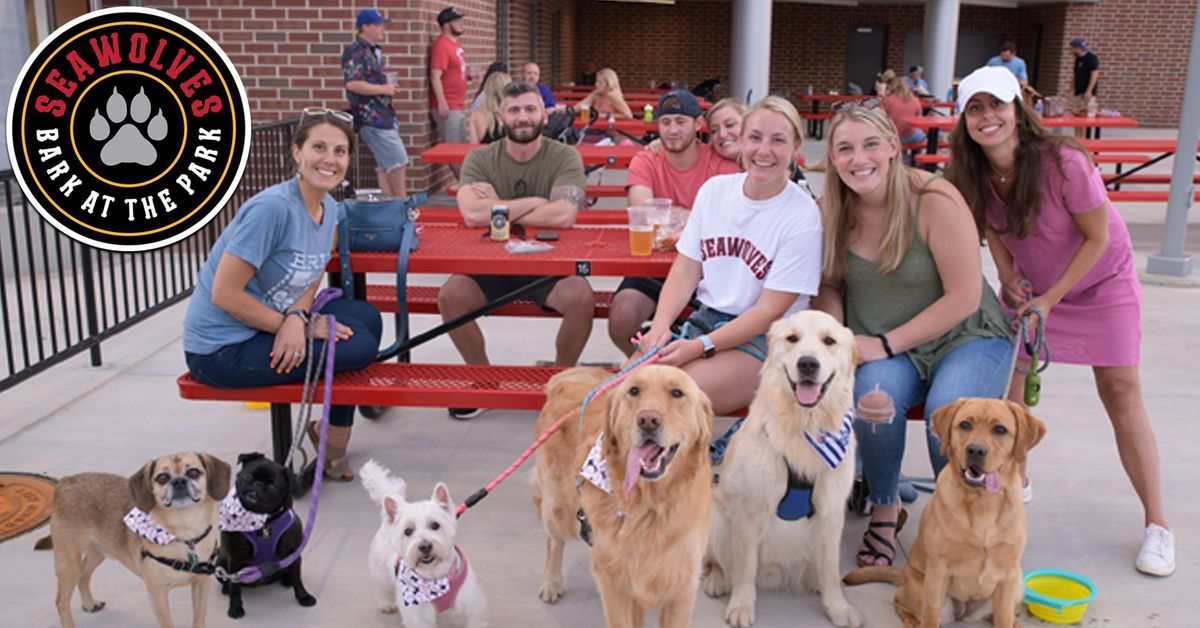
x: 380, y: 227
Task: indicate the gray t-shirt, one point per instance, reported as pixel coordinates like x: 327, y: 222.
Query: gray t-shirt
x: 274, y: 233
x: 555, y: 165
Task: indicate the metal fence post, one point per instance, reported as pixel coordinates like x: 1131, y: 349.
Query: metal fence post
x: 89, y: 295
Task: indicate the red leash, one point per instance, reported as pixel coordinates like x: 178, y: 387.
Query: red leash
x: 477, y: 496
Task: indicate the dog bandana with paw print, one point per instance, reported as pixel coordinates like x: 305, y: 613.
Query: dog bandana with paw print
x: 442, y: 592
x: 147, y: 527
x: 595, y: 467
x: 235, y: 517
x: 832, y: 447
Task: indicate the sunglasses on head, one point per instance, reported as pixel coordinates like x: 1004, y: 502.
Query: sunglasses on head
x: 847, y: 105
x: 322, y: 111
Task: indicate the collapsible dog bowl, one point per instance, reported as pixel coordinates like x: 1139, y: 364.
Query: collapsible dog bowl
x: 1058, y: 596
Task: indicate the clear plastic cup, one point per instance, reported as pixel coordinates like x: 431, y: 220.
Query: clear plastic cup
x: 641, y: 230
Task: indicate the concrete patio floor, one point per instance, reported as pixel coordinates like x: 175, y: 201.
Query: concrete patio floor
x: 114, y: 418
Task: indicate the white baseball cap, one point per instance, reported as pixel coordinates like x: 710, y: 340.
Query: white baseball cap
x: 994, y: 80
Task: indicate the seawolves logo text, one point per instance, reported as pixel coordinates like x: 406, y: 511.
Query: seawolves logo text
x: 128, y: 129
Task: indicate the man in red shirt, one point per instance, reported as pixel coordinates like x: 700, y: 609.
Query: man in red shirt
x: 448, y: 77
x: 676, y: 172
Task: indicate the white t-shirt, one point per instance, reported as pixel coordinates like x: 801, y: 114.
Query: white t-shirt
x: 744, y: 245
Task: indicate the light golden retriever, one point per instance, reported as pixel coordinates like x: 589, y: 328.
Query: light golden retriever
x: 968, y: 549
x: 648, y: 533
x: 806, y: 386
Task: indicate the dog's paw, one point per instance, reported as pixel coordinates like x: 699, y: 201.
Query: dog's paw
x: 237, y: 612
x: 739, y: 616
x: 95, y: 607
x: 714, y: 582
x: 550, y: 592
x: 389, y: 610
x: 307, y: 600
x: 846, y: 617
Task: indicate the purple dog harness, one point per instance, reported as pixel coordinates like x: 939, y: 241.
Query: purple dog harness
x: 260, y: 530
x: 441, y: 592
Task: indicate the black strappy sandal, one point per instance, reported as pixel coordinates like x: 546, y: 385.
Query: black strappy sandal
x: 871, y: 553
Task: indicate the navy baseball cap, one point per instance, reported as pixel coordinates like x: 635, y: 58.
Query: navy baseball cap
x: 1079, y: 43
x: 680, y: 102
x: 366, y: 17
x: 449, y: 14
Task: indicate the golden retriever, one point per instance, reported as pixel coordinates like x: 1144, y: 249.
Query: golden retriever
x: 806, y: 388
x: 648, y: 533
x: 968, y: 549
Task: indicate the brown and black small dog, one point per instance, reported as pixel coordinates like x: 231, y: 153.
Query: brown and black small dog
x: 968, y: 550
x: 181, y: 492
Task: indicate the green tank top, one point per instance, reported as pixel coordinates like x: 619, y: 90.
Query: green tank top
x: 877, y: 303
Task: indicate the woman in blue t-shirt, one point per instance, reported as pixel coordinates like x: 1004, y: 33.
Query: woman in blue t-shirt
x: 246, y: 324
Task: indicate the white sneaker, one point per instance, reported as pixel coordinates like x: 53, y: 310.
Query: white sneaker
x: 1027, y: 491
x: 1157, y: 557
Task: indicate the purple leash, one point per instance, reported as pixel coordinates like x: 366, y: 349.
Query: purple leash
x: 254, y: 573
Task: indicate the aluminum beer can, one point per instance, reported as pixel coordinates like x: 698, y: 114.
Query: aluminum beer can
x: 500, y: 223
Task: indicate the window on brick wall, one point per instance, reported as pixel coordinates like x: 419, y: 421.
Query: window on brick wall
x: 502, y: 17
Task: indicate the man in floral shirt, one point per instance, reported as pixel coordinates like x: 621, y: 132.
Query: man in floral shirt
x: 370, y: 93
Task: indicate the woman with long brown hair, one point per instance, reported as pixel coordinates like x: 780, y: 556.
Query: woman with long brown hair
x: 1062, y: 249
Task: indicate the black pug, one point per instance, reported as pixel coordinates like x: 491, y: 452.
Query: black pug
x: 264, y: 488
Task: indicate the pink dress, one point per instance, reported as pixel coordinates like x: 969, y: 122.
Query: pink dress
x: 1099, y: 321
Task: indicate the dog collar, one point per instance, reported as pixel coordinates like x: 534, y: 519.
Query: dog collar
x: 235, y: 517
x: 595, y: 467
x: 442, y: 592
x: 832, y: 447
x: 146, y: 526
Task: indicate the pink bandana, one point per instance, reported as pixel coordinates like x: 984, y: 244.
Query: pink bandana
x: 235, y: 517
x: 442, y: 592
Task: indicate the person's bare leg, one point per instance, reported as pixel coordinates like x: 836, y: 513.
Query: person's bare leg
x: 712, y: 376
x: 384, y: 187
x: 396, y: 183
x: 574, y: 299
x: 629, y: 309
x: 1120, y: 391
x: 459, y: 295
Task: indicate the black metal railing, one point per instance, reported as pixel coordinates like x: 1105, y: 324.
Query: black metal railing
x: 61, y: 298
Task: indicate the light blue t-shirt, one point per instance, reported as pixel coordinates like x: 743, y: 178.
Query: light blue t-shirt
x: 913, y: 85
x: 1016, y: 65
x: 274, y: 233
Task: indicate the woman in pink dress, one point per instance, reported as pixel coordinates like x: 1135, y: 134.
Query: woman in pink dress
x: 1040, y: 202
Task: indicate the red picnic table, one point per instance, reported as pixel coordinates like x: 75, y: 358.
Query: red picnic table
x: 636, y: 103
x: 615, y: 156
x: 933, y: 124
x: 816, y: 118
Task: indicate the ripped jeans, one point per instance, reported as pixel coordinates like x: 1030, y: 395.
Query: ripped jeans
x: 977, y: 368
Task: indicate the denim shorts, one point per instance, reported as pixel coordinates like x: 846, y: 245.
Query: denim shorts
x: 706, y: 320
x: 385, y: 144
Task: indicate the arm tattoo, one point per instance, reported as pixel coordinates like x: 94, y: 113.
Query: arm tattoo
x: 573, y: 194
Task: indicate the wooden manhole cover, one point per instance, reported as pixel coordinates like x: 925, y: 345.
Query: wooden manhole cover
x: 25, y: 503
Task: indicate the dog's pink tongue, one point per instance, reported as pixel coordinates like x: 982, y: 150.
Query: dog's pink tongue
x: 633, y: 464
x: 807, y: 394
x: 991, y: 482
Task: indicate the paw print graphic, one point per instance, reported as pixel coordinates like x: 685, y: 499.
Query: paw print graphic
x: 133, y: 141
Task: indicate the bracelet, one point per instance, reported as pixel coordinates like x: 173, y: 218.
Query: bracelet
x: 886, y: 347
x: 303, y: 314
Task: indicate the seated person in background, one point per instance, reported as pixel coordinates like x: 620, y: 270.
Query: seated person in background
x: 899, y: 103
x: 484, y: 126
x: 542, y: 183
x: 725, y: 127
x: 496, y: 67
x: 607, y: 98
x: 914, y: 81
x: 676, y: 172
x: 533, y: 75
x: 751, y: 252
x: 246, y: 322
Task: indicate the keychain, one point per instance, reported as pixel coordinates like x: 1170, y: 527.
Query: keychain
x: 1033, y: 383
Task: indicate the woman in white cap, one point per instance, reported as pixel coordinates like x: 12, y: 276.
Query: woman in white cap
x: 1060, y: 247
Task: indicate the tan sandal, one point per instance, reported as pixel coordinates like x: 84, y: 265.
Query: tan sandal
x: 337, y: 468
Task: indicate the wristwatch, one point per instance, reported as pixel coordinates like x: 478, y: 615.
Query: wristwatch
x: 709, y: 348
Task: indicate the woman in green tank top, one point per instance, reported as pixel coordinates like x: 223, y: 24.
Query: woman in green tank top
x: 902, y: 268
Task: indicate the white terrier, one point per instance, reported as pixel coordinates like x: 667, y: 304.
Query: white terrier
x: 416, y: 565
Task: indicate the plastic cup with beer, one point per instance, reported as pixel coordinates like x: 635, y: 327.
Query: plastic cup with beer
x: 641, y: 230
x: 585, y: 114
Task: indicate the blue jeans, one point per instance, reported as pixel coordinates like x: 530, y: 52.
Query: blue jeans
x: 385, y: 144
x: 977, y: 368
x: 247, y: 364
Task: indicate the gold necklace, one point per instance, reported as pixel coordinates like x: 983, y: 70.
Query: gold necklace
x: 1004, y: 177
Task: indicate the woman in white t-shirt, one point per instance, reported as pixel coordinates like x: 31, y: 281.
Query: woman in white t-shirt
x: 752, y: 253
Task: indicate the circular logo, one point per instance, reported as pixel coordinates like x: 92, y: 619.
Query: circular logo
x: 128, y: 129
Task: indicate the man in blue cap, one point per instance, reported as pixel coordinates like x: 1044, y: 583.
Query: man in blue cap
x: 1087, y: 75
x: 676, y: 172
x: 370, y: 93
